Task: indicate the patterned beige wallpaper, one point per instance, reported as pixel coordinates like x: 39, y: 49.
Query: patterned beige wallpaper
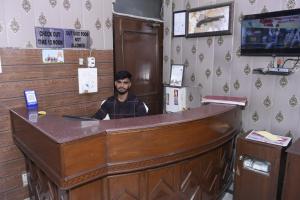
x: 19, y: 17
x: 215, y: 65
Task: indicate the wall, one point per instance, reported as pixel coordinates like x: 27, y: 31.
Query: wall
x: 19, y: 17
x: 214, y: 64
x: 56, y: 85
x: 57, y: 92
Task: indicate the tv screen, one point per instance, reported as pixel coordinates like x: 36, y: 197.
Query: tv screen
x: 271, y: 34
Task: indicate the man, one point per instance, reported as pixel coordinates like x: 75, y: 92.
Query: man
x: 123, y: 104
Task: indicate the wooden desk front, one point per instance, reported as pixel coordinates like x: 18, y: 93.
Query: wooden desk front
x: 185, y: 155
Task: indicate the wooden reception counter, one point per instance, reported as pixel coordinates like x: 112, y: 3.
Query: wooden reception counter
x: 185, y: 155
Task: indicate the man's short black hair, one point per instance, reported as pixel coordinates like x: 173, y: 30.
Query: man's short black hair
x: 122, y: 75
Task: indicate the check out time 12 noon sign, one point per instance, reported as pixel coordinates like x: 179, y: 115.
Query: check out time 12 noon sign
x: 49, y: 37
x: 61, y: 38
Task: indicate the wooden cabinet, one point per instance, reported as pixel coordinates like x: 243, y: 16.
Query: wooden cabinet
x: 292, y: 173
x: 251, y: 182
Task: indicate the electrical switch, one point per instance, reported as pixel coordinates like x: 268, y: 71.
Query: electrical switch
x: 91, y: 61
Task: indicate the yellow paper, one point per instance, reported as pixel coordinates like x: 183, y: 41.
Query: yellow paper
x: 268, y: 135
x: 42, y: 112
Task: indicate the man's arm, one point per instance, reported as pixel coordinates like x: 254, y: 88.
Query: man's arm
x: 141, y: 109
x: 102, y: 112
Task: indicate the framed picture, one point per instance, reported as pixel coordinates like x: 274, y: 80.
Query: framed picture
x: 179, y: 21
x: 176, y: 75
x: 210, y: 20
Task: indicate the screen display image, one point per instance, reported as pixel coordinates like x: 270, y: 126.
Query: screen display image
x: 272, y: 35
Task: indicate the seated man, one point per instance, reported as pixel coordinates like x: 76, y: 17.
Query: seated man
x: 123, y: 104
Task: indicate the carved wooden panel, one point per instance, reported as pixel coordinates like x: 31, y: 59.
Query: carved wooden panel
x: 40, y: 186
x: 201, y: 178
x: 124, y: 187
x: 190, y: 179
x: 162, y: 183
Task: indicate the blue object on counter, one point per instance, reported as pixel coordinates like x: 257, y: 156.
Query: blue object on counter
x: 30, y: 98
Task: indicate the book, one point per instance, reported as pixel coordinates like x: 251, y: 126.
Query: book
x: 241, y: 101
x: 263, y: 136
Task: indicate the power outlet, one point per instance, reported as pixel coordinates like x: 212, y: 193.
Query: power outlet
x: 25, y: 179
x: 81, y: 61
x: 91, y: 61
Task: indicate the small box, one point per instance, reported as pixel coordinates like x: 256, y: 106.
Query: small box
x: 181, y: 98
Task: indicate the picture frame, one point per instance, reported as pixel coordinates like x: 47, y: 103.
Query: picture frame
x: 179, y: 23
x: 210, y: 20
x: 176, y: 75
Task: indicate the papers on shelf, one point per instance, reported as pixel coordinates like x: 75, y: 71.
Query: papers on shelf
x: 241, y: 101
x: 264, y: 136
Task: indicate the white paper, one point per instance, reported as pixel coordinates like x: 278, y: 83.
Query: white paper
x: 176, y: 99
x: 176, y: 75
x: 87, y: 80
x: 53, y: 56
x: 179, y: 23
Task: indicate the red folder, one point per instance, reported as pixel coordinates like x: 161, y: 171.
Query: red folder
x: 242, y: 101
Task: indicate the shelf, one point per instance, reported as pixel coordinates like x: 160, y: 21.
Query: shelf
x: 272, y: 71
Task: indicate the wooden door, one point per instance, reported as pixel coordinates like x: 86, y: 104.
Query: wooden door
x: 138, y: 49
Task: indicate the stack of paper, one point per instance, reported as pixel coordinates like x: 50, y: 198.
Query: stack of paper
x: 242, y: 101
x: 264, y: 136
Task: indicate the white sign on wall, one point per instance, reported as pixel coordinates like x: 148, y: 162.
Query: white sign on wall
x: 87, y: 80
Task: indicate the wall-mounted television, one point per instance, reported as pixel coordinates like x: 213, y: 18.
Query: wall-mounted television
x: 271, y: 34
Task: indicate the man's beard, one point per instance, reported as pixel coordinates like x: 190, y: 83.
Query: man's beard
x: 121, y: 92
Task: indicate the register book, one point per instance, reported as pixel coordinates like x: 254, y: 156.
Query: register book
x: 241, y: 101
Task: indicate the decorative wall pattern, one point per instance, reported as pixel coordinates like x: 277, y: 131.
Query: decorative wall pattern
x: 19, y: 17
x: 215, y: 64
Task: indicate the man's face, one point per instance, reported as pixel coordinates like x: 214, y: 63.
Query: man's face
x: 122, y: 85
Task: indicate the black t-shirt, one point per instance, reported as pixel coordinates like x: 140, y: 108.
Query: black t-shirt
x: 132, y: 107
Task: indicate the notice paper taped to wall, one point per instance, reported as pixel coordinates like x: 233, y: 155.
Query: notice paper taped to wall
x: 87, y: 80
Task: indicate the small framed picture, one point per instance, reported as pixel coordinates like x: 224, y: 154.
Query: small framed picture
x: 30, y: 98
x: 179, y: 21
x: 176, y: 75
x: 210, y: 20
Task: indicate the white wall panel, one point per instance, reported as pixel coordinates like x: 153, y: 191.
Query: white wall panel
x: 19, y: 23
x: 108, y: 28
x: 3, y: 40
x: 71, y: 14
x: 51, y: 12
x: 92, y: 20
